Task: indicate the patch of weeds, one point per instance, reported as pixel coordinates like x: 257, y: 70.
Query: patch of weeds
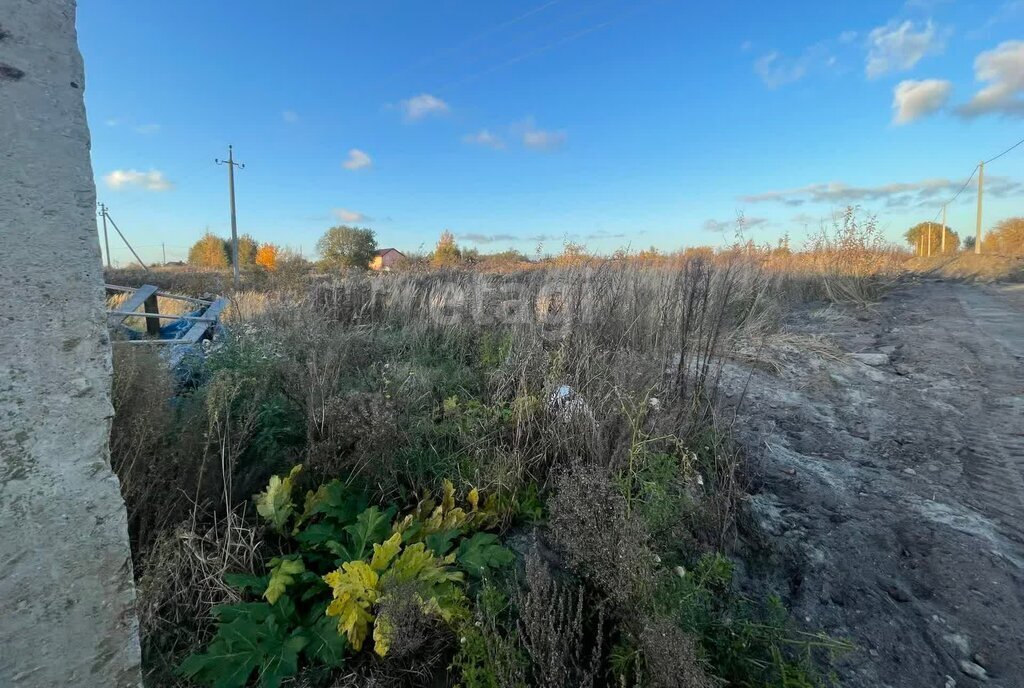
x: 746, y: 643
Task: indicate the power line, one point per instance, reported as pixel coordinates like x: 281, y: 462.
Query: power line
x: 973, y: 172
x: 1005, y: 152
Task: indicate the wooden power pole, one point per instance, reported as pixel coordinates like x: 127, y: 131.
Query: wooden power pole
x: 981, y: 185
x: 106, y: 242
x: 943, y: 249
x: 230, y: 162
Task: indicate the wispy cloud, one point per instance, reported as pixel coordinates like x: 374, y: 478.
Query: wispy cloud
x: 1003, y: 69
x: 484, y: 137
x: 895, y: 195
x: 146, y: 128
x: 777, y: 69
x: 539, y: 139
x: 153, y: 180
x: 1011, y: 10
x: 357, y: 160
x: 898, y: 46
x: 290, y: 116
x: 346, y: 215
x: 476, y: 238
x: 913, y: 100
x: 423, y: 105
x: 741, y: 222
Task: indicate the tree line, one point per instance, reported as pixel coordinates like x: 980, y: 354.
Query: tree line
x: 1006, y: 237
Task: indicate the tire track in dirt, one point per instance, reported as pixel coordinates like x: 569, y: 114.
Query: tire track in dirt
x: 892, y: 494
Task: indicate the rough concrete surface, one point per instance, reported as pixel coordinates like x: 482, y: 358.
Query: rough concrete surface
x: 66, y: 592
x: 891, y: 486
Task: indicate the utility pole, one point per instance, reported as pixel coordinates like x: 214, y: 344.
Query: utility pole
x: 106, y: 242
x: 929, y: 239
x: 106, y: 216
x: 981, y: 184
x: 943, y: 229
x: 163, y: 248
x: 230, y: 162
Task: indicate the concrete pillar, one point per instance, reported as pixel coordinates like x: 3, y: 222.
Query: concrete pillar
x: 66, y: 591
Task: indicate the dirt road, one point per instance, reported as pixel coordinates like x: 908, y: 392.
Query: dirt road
x: 891, y: 485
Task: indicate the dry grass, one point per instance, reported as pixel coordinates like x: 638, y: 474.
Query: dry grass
x: 970, y: 266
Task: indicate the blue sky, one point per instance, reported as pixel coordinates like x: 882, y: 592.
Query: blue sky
x: 610, y: 122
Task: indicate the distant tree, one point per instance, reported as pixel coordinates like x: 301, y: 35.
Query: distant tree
x: 917, y: 238
x: 247, y: 248
x: 208, y: 252
x: 1006, y: 237
x: 446, y: 253
x: 266, y: 257
x: 347, y: 247
x: 969, y: 244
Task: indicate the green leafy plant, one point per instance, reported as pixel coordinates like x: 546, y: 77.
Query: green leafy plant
x: 348, y: 561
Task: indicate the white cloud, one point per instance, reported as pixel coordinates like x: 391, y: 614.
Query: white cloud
x: 899, y: 46
x: 477, y: 238
x: 848, y: 36
x: 739, y: 223
x: 540, y: 139
x: 776, y: 70
x: 346, y: 215
x: 153, y: 180
x: 912, y: 100
x: 423, y: 105
x: 290, y: 116
x: 746, y: 46
x: 1003, y: 68
x: 146, y: 128
x: 484, y: 138
x: 894, y: 195
x: 357, y: 160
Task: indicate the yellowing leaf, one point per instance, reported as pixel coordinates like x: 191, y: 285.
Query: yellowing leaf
x: 282, y: 574
x: 383, y: 631
x: 385, y: 552
x: 275, y: 504
x: 354, y: 587
x: 473, y: 498
x: 448, y: 502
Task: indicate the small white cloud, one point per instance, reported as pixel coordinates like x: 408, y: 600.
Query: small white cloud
x: 153, y: 180
x: 346, y: 215
x: 290, y: 116
x: 776, y: 70
x: 484, y: 138
x: 912, y: 100
x: 746, y: 46
x: 113, y: 122
x: 423, y: 105
x: 897, y: 47
x: 539, y: 139
x: 357, y: 160
x: 146, y: 128
x: 1003, y: 68
x: 848, y: 36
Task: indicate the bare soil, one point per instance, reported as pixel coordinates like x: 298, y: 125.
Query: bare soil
x: 890, y: 486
